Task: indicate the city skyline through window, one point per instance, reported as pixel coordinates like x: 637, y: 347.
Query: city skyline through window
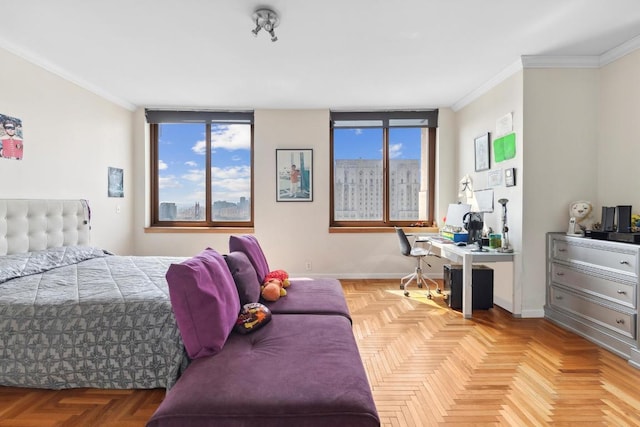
x: 182, y: 171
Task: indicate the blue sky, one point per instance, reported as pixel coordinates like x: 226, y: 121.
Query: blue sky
x: 182, y: 162
x: 365, y: 143
x: 182, y: 157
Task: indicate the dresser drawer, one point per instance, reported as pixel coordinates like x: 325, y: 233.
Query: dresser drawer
x: 618, y: 321
x: 595, y: 284
x: 590, y: 252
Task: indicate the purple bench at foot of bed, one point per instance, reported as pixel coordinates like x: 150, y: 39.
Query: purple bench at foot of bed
x: 311, y: 296
x: 298, y: 370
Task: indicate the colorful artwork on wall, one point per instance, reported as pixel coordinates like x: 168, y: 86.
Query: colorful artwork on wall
x: 11, y: 140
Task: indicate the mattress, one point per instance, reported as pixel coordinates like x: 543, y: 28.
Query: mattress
x: 79, y: 317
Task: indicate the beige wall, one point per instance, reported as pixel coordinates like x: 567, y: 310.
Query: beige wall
x: 71, y: 137
x: 473, y: 120
x: 560, y: 160
x: 618, y: 150
x: 291, y: 233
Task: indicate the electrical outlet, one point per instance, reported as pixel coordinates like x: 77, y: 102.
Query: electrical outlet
x: 307, y: 265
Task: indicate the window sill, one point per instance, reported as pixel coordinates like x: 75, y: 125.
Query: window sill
x: 227, y: 230
x: 421, y: 230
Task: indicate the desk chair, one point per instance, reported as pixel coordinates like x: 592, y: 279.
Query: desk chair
x: 419, y: 253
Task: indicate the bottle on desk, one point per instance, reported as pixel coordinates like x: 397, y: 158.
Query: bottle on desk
x: 495, y: 240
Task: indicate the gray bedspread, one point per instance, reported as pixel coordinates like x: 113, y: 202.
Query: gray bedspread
x: 77, y: 317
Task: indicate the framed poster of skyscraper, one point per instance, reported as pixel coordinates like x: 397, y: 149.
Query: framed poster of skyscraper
x: 294, y: 175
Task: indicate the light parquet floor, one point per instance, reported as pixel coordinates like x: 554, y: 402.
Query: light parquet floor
x: 426, y: 364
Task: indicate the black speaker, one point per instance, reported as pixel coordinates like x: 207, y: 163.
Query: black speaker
x: 624, y: 218
x: 608, y: 218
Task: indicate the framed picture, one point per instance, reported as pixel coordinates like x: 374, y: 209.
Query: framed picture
x: 294, y: 175
x: 115, y: 188
x: 481, y: 147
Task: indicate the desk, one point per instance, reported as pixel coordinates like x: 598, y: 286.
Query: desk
x: 467, y: 257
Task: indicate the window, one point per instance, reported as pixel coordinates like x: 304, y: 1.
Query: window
x: 383, y: 168
x: 201, y: 168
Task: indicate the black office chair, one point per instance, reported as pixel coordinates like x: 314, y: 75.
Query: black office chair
x: 420, y: 254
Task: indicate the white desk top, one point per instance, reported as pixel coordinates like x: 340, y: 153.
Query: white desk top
x: 452, y: 251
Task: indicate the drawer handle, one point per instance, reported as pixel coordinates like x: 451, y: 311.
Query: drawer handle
x: 558, y: 296
x: 621, y: 292
x: 562, y: 250
x: 620, y: 321
x: 559, y: 273
x: 624, y: 262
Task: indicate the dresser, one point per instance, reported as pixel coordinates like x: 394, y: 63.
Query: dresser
x: 592, y: 290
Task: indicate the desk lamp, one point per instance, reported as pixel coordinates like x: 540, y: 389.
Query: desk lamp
x: 505, y: 229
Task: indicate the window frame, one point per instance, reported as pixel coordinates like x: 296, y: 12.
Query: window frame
x: 208, y: 118
x: 385, y: 120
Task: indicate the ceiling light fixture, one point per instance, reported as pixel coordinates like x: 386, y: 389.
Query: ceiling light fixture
x: 267, y: 19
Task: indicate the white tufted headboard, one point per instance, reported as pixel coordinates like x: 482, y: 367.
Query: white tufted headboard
x: 32, y: 225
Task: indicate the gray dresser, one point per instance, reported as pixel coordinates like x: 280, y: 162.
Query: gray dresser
x: 592, y: 290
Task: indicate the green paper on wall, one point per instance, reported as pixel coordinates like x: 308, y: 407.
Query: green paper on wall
x: 504, y: 148
x: 498, y: 150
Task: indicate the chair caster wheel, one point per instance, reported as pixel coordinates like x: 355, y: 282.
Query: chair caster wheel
x: 406, y: 294
x: 420, y: 285
x: 429, y: 296
x: 438, y: 291
x: 402, y: 287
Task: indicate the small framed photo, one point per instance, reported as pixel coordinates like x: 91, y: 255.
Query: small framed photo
x: 481, y: 150
x: 115, y: 184
x: 294, y: 175
x: 510, y: 177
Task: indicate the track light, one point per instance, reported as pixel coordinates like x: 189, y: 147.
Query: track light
x: 267, y: 19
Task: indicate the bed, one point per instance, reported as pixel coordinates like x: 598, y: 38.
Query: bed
x: 73, y: 315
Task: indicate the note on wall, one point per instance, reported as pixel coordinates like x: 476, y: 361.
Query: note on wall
x: 504, y: 148
x: 504, y: 125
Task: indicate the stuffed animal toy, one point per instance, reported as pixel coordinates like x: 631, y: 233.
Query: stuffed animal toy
x: 274, y: 284
x: 272, y: 290
x: 281, y: 275
x: 582, y: 212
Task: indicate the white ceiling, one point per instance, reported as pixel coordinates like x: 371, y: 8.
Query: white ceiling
x: 337, y: 54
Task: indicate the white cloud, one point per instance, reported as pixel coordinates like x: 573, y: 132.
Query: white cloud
x: 191, y: 164
x: 194, y: 175
x: 231, y: 183
x: 169, y: 181
x: 227, y: 137
x: 231, y: 137
x: 395, y: 150
x: 200, y: 147
x: 162, y: 165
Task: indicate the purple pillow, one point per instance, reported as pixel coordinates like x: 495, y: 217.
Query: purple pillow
x: 245, y: 277
x: 205, y: 302
x: 251, y: 248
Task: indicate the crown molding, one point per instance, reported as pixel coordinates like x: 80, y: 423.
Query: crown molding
x: 495, y: 81
x: 620, y: 51
x: 544, y: 61
x: 549, y: 61
x: 34, y: 59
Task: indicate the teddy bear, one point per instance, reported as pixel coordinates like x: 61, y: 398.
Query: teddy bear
x: 582, y: 212
x: 274, y: 284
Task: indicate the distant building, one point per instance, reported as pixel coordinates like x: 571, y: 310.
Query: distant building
x: 358, y: 189
x: 168, y: 211
x: 222, y: 211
